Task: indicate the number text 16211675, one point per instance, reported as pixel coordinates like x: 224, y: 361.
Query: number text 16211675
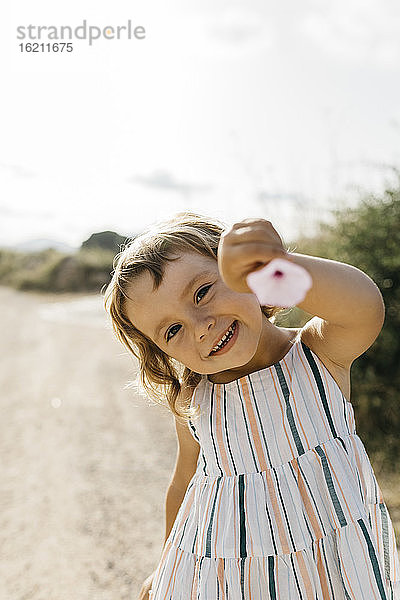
x: 49, y: 47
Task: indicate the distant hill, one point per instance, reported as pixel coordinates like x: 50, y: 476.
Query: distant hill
x: 51, y: 266
x: 43, y: 244
x: 103, y: 240
x: 106, y: 240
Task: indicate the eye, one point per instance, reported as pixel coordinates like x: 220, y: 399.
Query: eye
x: 172, y: 331
x: 202, y: 292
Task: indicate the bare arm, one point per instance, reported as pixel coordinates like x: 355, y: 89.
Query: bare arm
x: 348, y: 306
x: 173, y: 500
x: 185, y: 467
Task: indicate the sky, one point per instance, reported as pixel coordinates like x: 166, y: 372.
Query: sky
x: 229, y: 108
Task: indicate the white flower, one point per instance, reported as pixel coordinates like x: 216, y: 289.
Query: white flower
x: 280, y: 283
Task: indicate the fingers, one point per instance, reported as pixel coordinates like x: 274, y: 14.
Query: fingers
x: 251, y: 221
x: 249, y: 253
x: 245, y: 247
x: 252, y: 230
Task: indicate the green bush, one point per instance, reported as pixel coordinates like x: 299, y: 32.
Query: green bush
x: 368, y: 237
x: 52, y: 271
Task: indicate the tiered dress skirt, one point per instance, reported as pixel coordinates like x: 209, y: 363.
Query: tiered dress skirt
x: 284, y: 503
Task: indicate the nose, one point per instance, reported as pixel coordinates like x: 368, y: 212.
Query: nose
x: 203, y: 327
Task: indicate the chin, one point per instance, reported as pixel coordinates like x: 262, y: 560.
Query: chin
x: 228, y: 366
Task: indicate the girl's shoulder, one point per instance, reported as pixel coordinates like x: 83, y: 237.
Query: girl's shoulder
x: 311, y: 337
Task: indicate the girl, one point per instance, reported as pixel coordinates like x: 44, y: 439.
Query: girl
x: 273, y: 495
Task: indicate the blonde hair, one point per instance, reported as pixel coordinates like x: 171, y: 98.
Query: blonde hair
x: 160, y: 375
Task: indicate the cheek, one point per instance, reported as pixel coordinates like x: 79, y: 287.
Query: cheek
x: 253, y: 312
x: 250, y: 306
x: 247, y: 309
x: 178, y: 352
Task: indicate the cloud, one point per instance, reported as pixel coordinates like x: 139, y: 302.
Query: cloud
x: 290, y: 198
x: 229, y: 31
x: 17, y: 171
x: 358, y: 31
x: 238, y: 26
x: 11, y: 212
x: 163, y: 180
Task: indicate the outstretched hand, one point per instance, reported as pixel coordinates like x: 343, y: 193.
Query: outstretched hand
x: 245, y: 247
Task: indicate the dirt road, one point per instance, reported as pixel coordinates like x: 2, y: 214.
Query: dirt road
x: 84, y: 462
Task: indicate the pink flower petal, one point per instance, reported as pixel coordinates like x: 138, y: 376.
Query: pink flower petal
x: 280, y: 283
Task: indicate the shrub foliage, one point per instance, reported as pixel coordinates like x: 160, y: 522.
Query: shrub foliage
x: 368, y: 237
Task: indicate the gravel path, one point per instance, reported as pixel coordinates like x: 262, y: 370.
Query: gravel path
x: 82, y: 480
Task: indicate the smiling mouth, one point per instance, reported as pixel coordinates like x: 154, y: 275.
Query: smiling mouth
x: 225, y: 339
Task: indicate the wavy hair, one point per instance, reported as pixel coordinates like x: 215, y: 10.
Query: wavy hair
x: 161, y: 376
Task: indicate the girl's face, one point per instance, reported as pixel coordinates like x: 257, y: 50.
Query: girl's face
x: 194, y: 317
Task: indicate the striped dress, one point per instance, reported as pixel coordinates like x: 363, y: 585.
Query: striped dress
x: 284, y: 503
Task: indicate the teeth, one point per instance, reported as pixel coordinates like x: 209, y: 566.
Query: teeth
x: 224, y: 338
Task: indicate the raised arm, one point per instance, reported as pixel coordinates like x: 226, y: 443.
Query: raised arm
x: 348, y: 305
